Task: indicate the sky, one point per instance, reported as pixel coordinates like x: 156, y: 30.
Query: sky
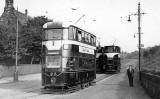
x: 111, y: 25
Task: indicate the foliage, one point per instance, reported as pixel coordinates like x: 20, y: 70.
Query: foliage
x: 37, y: 21
x: 132, y: 55
x: 152, y: 51
x: 30, y: 38
x: 151, y: 59
x: 3, y: 40
x: 7, y: 43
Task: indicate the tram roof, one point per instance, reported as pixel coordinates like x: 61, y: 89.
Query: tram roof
x: 112, y: 46
x: 59, y: 25
x: 50, y: 25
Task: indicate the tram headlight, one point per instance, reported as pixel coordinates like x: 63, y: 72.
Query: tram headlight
x: 53, y: 80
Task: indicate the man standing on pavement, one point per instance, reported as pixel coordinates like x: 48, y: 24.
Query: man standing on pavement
x: 130, y: 73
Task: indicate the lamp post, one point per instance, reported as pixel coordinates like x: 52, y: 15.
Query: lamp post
x: 16, y: 66
x: 139, y: 36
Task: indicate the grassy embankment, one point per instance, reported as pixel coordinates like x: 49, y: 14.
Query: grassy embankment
x: 150, y: 60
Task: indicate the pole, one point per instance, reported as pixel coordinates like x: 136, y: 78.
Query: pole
x: 139, y: 38
x: 16, y: 66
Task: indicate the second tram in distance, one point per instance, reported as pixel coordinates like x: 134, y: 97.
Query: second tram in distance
x: 108, y: 59
x: 68, y: 56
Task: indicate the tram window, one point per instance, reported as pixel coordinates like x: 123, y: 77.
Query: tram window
x: 91, y: 63
x: 94, y: 39
x: 84, y: 62
x: 76, y: 36
x: 53, y: 61
x: 87, y: 65
x: 83, y: 37
x: 105, y: 50
x: 99, y: 50
x: 72, y: 33
x: 55, y: 34
x: 86, y: 38
x: 72, y: 61
x: 117, y: 49
x: 109, y: 50
x: 79, y: 36
x: 64, y: 62
x: 89, y: 38
x: 114, y: 49
x: 65, y: 34
x: 80, y: 62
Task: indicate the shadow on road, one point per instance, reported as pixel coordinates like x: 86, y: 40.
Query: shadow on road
x: 23, y: 86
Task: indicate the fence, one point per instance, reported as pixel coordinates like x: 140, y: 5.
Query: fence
x: 22, y: 70
x: 151, y: 84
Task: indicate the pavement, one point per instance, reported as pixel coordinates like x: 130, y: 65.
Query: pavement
x: 114, y: 86
x: 37, y: 76
x: 117, y: 87
x: 21, y: 78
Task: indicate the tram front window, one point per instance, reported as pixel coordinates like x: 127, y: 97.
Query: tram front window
x: 109, y: 50
x: 53, y: 61
x: 53, y: 34
x: 99, y: 50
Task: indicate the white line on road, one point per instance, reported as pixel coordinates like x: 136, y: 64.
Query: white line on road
x: 107, y: 78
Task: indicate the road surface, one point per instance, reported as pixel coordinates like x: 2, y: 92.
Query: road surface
x: 107, y: 87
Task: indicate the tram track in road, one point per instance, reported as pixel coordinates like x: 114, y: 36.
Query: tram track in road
x: 77, y: 88
x: 52, y: 93
x: 101, y: 78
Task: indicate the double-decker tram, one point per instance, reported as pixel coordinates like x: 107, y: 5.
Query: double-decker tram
x: 68, y: 56
x: 113, y: 58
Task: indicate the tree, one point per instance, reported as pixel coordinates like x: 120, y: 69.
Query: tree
x: 7, y: 44
x: 31, y: 37
x: 3, y: 40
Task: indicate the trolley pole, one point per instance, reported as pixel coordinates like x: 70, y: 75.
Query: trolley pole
x: 16, y: 66
x: 139, y: 37
x: 79, y: 19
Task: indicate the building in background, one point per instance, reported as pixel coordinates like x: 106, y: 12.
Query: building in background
x: 10, y: 15
x: 8, y: 19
